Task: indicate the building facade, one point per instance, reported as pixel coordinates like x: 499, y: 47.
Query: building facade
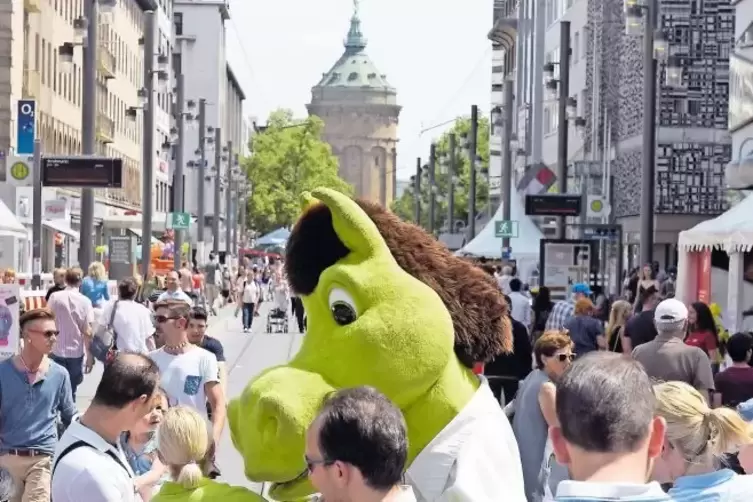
x: 30, y: 35
x: 741, y: 89
x: 201, y: 56
x: 606, y: 79
x: 360, y: 113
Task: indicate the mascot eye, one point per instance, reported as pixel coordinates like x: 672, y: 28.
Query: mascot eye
x: 342, y: 306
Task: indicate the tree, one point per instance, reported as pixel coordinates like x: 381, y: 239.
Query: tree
x: 405, y: 205
x: 288, y: 157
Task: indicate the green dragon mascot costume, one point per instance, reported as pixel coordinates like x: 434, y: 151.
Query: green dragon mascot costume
x: 390, y: 307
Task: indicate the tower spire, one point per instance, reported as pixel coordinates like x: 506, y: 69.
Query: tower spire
x: 355, y: 41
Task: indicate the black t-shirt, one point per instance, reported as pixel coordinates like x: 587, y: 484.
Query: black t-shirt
x: 640, y: 328
x: 215, y: 347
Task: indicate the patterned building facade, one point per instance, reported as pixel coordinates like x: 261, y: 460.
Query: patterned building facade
x: 693, y: 145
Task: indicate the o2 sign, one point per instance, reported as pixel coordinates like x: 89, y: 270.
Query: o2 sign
x: 26, y: 133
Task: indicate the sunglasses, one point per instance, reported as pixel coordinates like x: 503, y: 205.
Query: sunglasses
x: 162, y: 319
x: 47, y: 334
x: 565, y: 357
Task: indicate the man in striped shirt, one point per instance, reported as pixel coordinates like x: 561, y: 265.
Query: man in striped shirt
x: 74, y: 314
x: 563, y: 310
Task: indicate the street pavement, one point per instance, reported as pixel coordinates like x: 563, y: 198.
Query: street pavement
x: 247, y: 354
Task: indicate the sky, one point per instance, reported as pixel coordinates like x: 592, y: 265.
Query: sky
x: 435, y: 52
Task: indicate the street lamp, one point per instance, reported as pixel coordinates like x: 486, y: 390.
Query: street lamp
x: 656, y: 50
x: 85, y: 35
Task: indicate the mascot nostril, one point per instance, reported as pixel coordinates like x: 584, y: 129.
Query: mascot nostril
x: 390, y: 307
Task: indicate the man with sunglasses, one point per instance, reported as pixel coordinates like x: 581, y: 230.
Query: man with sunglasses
x: 33, y: 391
x: 357, y: 448
x: 189, y: 374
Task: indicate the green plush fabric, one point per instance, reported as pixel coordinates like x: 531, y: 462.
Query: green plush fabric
x: 401, y: 343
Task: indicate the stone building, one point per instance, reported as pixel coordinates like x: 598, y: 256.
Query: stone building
x: 360, y: 112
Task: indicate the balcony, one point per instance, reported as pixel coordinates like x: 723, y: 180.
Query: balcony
x: 105, y: 60
x: 105, y: 128
x: 33, y: 6
x: 31, y: 86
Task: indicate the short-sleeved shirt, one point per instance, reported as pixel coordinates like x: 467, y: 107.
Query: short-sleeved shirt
x: 214, y: 346
x: 96, y: 471
x: 74, y: 314
x: 184, y: 376
x: 210, y: 270
x: 584, y: 330
x: 670, y: 359
x: 561, y: 312
x: 735, y: 384
x: 704, y: 340
x: 132, y: 323
x: 641, y: 328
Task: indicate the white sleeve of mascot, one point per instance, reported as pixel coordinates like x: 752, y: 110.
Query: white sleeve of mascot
x: 487, y: 465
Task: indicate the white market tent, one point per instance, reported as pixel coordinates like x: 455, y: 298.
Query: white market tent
x: 526, y: 247
x: 9, y: 224
x: 731, y: 232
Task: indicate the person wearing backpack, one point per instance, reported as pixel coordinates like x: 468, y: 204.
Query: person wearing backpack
x: 89, y: 463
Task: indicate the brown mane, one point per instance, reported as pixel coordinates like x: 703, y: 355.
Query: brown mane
x: 476, y: 305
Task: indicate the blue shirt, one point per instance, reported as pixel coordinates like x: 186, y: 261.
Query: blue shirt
x: 28, y: 412
x: 720, y: 486
x: 141, y: 461
x: 582, y: 491
x: 96, y: 291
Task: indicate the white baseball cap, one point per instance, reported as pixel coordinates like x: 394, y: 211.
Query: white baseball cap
x: 670, y: 311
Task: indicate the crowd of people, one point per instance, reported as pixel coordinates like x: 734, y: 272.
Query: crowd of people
x: 636, y: 398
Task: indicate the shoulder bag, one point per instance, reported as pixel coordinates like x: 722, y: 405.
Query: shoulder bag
x: 104, y: 341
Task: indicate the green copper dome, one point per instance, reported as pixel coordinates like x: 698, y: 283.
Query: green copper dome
x: 355, y: 69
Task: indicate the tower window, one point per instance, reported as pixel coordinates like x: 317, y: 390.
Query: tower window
x: 353, y: 76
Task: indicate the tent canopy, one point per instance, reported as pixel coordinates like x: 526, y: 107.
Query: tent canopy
x: 9, y: 224
x: 525, y: 246
x: 731, y: 231
x: 274, y: 238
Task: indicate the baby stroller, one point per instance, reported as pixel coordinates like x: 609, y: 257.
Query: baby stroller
x: 277, y: 317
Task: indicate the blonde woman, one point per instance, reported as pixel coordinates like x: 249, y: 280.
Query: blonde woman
x: 618, y: 316
x: 94, y: 285
x: 183, y: 447
x: 696, y: 441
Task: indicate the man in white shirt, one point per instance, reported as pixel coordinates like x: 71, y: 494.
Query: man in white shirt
x: 172, y: 281
x: 89, y: 465
x: 132, y: 321
x: 357, y: 448
x: 608, y: 434
x: 504, y: 278
x: 189, y: 374
x: 520, y: 304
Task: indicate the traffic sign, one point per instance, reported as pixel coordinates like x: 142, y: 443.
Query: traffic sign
x: 19, y: 171
x: 179, y: 221
x: 506, y: 253
x: 506, y: 228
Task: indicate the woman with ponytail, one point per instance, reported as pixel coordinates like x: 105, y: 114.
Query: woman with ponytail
x: 697, y: 440
x: 183, y: 444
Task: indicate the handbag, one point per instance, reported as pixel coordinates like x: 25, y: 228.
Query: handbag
x: 104, y: 341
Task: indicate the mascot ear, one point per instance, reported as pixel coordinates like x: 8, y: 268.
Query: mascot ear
x: 307, y: 201
x: 352, y: 225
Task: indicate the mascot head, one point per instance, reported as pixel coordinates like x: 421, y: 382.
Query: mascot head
x: 388, y: 306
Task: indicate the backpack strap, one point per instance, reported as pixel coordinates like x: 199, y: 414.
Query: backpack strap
x: 80, y: 444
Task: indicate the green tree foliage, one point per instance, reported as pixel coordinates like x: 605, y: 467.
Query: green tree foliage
x: 287, y: 158
x: 405, y: 205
